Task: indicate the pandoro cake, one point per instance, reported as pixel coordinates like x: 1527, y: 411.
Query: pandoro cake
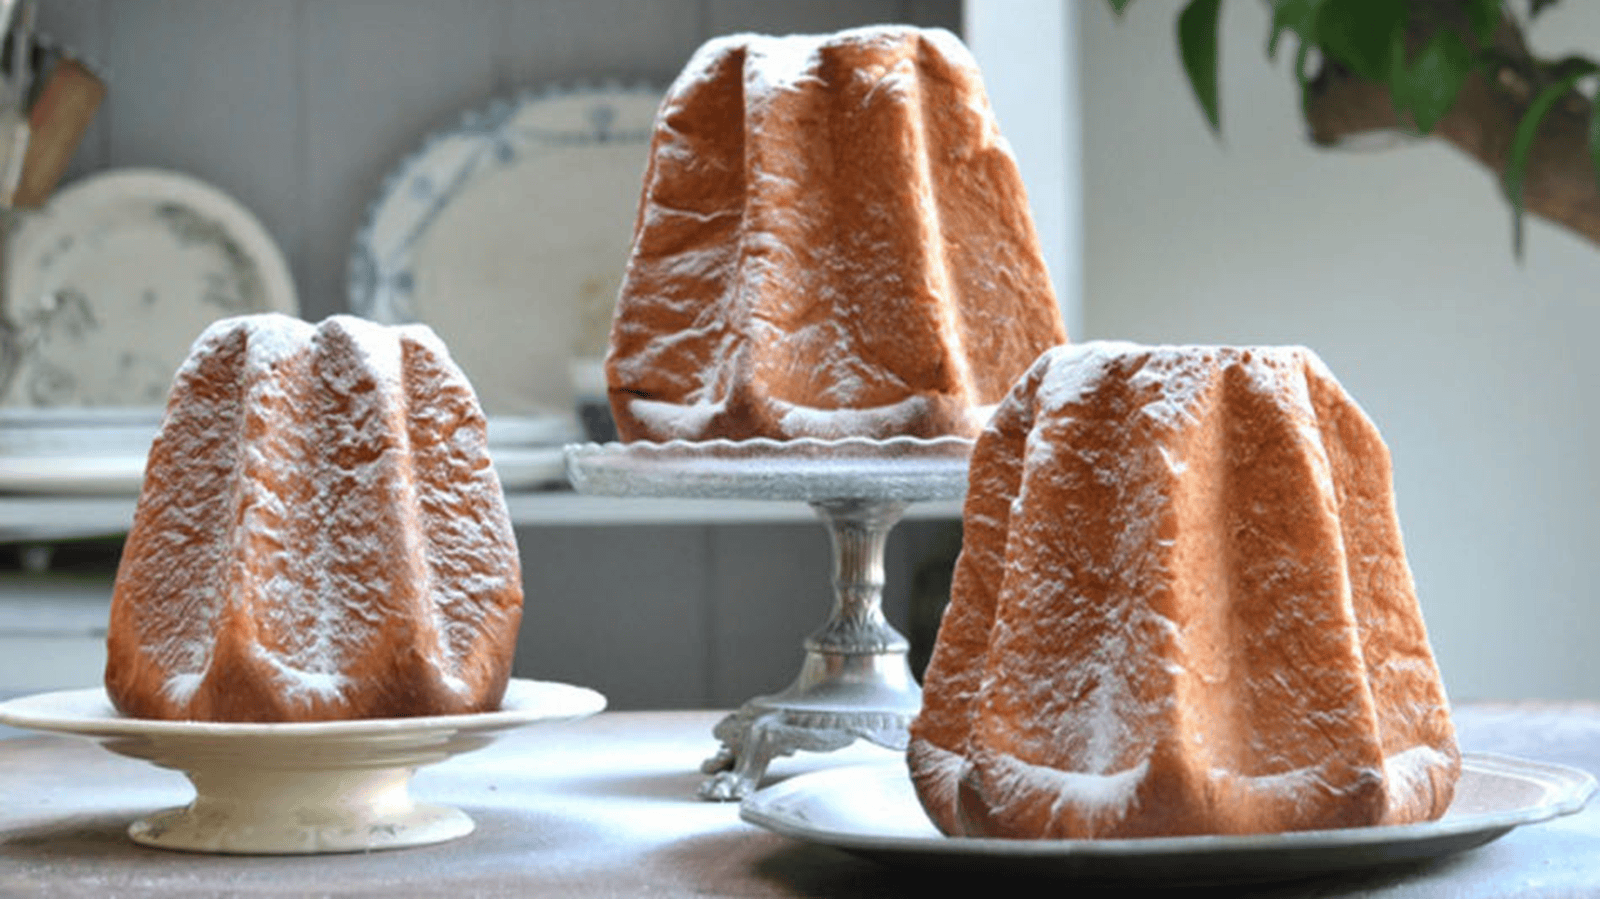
x: 832, y: 241
x: 320, y: 535
x: 1182, y: 607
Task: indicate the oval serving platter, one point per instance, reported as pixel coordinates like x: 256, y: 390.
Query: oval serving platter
x: 508, y: 234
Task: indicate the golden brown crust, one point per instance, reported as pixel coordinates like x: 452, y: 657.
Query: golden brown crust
x: 844, y: 233
x: 1182, y: 607
x: 319, y: 536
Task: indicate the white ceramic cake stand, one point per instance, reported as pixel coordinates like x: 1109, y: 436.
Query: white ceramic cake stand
x: 298, y: 788
x: 855, y: 682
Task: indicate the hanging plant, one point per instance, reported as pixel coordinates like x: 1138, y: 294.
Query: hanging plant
x: 1459, y: 71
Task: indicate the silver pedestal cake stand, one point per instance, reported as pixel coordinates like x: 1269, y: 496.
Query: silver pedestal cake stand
x: 855, y: 682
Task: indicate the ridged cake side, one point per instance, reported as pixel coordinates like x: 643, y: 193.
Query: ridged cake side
x: 1182, y: 608
x: 832, y: 241
x: 320, y: 535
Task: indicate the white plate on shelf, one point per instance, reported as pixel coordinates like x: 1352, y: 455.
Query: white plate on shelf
x: 103, y: 451
x: 531, y: 430
x: 68, y: 431
x: 528, y: 467
x: 304, y: 787
x: 97, y: 475
x: 518, y: 467
x: 872, y: 811
x: 109, y: 285
x: 78, y: 451
x: 508, y: 235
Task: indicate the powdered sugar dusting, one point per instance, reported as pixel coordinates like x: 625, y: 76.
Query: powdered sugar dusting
x: 676, y: 420
x: 779, y: 63
x: 180, y: 687
x: 782, y: 62
x: 895, y: 418
x: 1174, y: 609
x: 791, y: 240
x: 1411, y: 771
x: 1100, y: 798
x: 315, y: 487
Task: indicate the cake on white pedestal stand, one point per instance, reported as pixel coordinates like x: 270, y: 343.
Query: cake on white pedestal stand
x: 298, y: 788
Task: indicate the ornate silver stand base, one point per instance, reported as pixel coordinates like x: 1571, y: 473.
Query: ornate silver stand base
x: 855, y: 683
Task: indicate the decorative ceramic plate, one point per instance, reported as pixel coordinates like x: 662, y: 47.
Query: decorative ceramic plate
x: 872, y: 811
x: 526, y: 467
x: 508, y: 234
x: 900, y: 468
x: 298, y: 788
x: 109, y: 285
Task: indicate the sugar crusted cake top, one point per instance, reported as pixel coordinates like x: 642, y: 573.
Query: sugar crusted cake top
x: 279, y: 485
x: 832, y: 241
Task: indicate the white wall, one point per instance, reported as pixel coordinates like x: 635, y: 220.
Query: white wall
x: 1395, y: 266
x: 1028, y: 52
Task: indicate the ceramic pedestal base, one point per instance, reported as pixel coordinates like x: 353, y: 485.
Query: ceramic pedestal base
x: 300, y: 812
x: 304, y: 787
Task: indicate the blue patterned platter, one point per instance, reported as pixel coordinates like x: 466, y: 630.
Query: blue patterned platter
x: 508, y: 234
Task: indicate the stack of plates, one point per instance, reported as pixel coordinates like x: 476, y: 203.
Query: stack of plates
x: 76, y: 451
x: 105, y: 290
x: 102, y: 451
x: 526, y: 450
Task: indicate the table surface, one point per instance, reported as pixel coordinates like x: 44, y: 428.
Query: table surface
x: 604, y: 807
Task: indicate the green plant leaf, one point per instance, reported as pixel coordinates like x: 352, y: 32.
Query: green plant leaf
x: 1538, y: 6
x: 1298, y: 16
x: 1594, y: 136
x: 1484, y: 16
x: 1522, y: 145
x: 1197, y: 44
x: 1119, y: 6
x: 1302, y: 77
x: 1428, y: 86
x: 1360, y: 34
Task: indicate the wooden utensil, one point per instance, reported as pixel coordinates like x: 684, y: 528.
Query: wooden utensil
x: 56, y: 126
